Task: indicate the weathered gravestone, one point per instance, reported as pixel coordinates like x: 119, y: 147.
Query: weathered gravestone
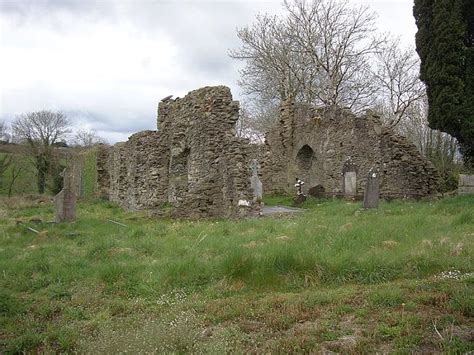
x: 317, y: 191
x: 349, y: 174
x: 371, y: 193
x: 65, y: 200
x: 255, y: 182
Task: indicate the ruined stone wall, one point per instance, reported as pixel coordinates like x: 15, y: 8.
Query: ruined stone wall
x: 193, y: 162
x: 330, y: 147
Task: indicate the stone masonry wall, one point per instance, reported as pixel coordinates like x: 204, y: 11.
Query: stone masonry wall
x: 193, y: 163
x: 318, y: 146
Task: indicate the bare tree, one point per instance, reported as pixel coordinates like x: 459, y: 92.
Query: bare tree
x: 15, y: 173
x: 339, y: 40
x: 87, y: 138
x: 273, y: 68
x: 430, y: 142
x: 397, y: 79
x: 256, y: 120
x: 5, y: 162
x: 318, y: 52
x: 440, y: 148
x: 40, y: 131
x: 4, y: 135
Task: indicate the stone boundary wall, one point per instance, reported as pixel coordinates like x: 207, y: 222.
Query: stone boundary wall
x: 317, y: 145
x: 193, y: 164
x: 466, y: 184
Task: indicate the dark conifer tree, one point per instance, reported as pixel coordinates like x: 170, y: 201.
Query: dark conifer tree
x: 444, y: 42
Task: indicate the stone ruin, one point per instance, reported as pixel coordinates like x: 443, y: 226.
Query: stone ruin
x: 333, y: 150
x: 193, y: 165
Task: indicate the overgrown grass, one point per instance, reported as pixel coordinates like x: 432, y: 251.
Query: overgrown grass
x: 332, y: 278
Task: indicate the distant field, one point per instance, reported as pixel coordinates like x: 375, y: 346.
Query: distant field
x: 26, y: 181
x: 335, y: 278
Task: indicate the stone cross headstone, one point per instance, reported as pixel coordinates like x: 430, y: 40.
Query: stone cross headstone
x: 255, y: 182
x: 300, y: 196
x: 299, y: 186
x: 65, y: 200
x: 371, y: 193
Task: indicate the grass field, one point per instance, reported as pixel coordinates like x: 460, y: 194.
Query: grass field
x: 335, y: 278
x: 26, y: 181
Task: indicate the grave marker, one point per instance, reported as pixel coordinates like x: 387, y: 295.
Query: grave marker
x: 371, y: 193
x: 65, y: 200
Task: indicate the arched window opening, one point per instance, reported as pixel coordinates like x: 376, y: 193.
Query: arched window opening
x: 304, y: 158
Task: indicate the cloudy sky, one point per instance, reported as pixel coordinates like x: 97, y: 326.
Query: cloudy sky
x: 108, y: 63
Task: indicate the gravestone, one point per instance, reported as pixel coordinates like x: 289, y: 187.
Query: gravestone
x: 255, y: 182
x: 371, y: 193
x: 349, y: 176
x: 300, y: 197
x: 350, y: 183
x: 317, y: 191
x: 65, y: 200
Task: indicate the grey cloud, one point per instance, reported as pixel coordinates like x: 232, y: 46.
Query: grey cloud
x: 104, y: 122
x: 202, y: 32
x: 50, y: 13
x: 28, y: 7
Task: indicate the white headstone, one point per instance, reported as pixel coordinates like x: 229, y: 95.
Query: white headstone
x: 255, y: 182
x: 350, y: 183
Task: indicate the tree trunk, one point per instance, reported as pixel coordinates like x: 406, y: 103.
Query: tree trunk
x: 15, y: 174
x: 41, y: 181
x: 42, y: 166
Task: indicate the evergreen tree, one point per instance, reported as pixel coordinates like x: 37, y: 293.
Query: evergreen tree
x: 444, y: 42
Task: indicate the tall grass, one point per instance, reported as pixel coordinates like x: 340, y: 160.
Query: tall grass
x: 333, y: 243
x: 70, y: 270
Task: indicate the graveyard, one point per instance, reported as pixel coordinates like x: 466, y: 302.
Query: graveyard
x: 188, y: 239
x: 335, y: 277
x: 178, y: 178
